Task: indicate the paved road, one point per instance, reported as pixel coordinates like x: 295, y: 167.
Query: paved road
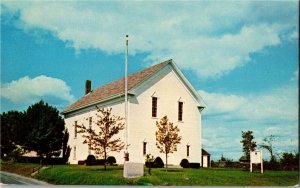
x: 9, y: 178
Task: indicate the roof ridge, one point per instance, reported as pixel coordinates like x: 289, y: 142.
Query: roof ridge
x: 115, y: 87
x: 166, y: 62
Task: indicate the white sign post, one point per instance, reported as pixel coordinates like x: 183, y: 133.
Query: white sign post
x: 256, y: 158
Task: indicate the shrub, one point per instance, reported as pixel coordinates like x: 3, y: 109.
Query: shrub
x: 90, y: 160
x: 81, y: 162
x: 289, y: 161
x: 271, y: 165
x: 111, y: 160
x: 158, y: 163
x: 38, y: 160
x: 184, y: 163
x: 194, y: 165
x: 99, y: 162
x: 24, y: 159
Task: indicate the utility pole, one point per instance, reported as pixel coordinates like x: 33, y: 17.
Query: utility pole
x: 126, y: 102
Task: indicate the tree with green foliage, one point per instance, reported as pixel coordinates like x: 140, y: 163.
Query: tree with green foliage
x: 103, y: 141
x: 268, y: 144
x: 167, y: 137
x: 46, y: 130
x: 289, y: 161
x: 248, y: 143
x: 13, y: 131
x: 66, y: 149
x: 225, y: 159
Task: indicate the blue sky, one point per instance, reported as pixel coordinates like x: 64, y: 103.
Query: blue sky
x: 241, y: 56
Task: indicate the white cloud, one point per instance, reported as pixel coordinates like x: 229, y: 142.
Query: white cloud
x: 212, y: 38
x: 274, y: 112
x: 26, y: 89
x: 278, y: 104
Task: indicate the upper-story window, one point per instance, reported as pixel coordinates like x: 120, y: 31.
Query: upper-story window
x: 90, y: 122
x: 75, y: 130
x: 154, y: 106
x: 180, y: 110
x: 187, y: 150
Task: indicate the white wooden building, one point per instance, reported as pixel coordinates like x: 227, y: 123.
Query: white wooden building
x: 152, y: 93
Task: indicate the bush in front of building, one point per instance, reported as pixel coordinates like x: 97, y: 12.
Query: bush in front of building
x: 111, y: 160
x: 194, y: 165
x: 158, y: 163
x: 184, y: 163
x: 90, y: 160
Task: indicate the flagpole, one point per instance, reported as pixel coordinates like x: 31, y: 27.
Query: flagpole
x: 126, y: 102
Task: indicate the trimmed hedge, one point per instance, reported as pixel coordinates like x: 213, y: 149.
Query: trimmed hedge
x: 38, y: 160
x: 91, y: 160
x: 111, y: 160
x: 95, y: 162
x: 194, y: 165
x: 184, y: 163
x: 158, y: 163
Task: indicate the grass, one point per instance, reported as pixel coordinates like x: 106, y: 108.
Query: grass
x: 24, y: 169
x: 95, y: 175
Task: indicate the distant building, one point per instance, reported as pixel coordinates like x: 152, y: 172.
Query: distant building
x: 152, y: 93
x: 205, y: 159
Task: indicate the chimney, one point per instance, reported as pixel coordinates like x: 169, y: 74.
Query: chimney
x: 88, y: 85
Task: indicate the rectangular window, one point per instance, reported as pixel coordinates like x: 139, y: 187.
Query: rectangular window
x: 180, y: 111
x: 74, y: 154
x: 75, y: 130
x: 154, y: 106
x: 144, y: 148
x: 90, y: 127
x: 187, y: 150
x: 90, y: 122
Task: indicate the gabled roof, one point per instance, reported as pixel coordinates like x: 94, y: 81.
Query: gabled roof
x: 116, y: 88
x: 204, y: 152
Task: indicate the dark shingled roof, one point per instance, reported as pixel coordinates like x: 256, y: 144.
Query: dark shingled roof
x: 204, y: 152
x: 114, y: 88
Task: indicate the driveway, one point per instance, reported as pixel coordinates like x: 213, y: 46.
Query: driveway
x: 10, y: 178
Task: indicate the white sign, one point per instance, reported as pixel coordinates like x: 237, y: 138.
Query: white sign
x: 133, y: 170
x: 256, y: 158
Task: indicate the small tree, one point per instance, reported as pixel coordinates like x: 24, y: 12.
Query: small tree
x: 167, y: 137
x: 149, y: 160
x: 248, y: 143
x: 103, y: 141
x: 268, y: 145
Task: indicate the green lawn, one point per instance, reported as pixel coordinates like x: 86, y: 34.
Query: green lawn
x: 73, y: 174
x: 95, y: 175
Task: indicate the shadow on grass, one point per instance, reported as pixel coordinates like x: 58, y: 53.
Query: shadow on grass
x: 107, y: 169
x: 172, y: 170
